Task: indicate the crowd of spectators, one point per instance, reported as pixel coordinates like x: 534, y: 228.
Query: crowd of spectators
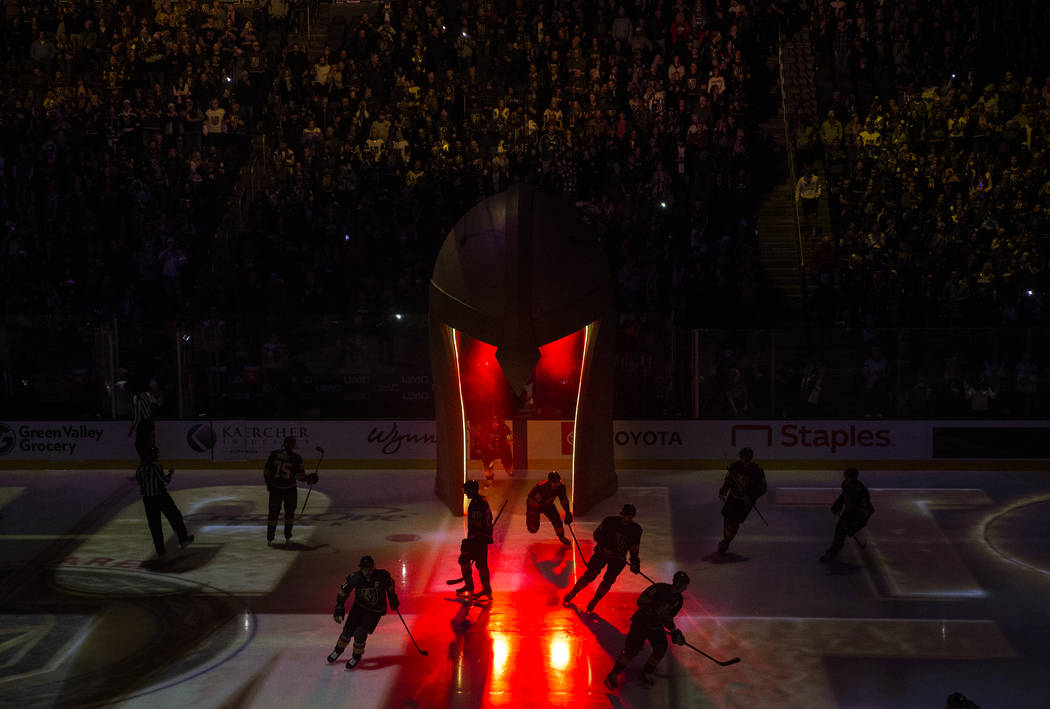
x: 192, y: 166
x: 935, y: 163
x: 640, y: 114
x: 125, y: 127
x: 122, y: 130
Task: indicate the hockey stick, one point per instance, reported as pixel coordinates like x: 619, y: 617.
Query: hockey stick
x: 862, y: 545
x: 725, y: 663
x: 760, y: 515
x: 753, y: 505
x: 453, y: 582
x: 422, y: 652
x: 498, y: 514
x: 316, y: 468
x: 577, y: 541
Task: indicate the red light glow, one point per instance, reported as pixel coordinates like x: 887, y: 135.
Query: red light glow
x: 560, y: 360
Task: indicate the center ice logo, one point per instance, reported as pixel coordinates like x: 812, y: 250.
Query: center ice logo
x: 7, y: 439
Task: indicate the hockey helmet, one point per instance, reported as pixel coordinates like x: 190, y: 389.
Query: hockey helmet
x: 367, y: 562
x: 470, y: 488
x: 629, y: 509
x: 851, y: 473
x: 681, y: 578
x: 554, y: 476
x: 289, y: 442
x: 747, y: 453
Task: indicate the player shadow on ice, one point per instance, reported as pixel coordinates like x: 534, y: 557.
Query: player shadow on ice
x: 608, y: 635
x: 470, y: 652
x: 381, y: 662
x: 730, y: 557
x: 837, y: 567
x: 180, y: 561
x: 549, y: 568
x: 297, y: 546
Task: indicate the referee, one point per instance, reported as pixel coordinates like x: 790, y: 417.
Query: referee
x: 143, y: 425
x: 155, y: 498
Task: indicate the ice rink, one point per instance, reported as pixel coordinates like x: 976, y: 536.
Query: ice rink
x: 949, y: 595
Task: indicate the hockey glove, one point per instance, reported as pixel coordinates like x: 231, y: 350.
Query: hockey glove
x: 568, y: 517
x: 312, y: 479
x: 395, y: 603
x: 677, y: 637
x: 270, y: 489
x: 636, y: 566
x: 339, y: 614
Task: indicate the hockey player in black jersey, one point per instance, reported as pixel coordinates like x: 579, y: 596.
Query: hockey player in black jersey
x: 541, y: 500
x: 657, y: 607
x: 283, y: 469
x: 853, y: 508
x: 744, y: 483
x: 372, y: 588
x: 475, y: 548
x: 614, y: 538
x: 496, y: 444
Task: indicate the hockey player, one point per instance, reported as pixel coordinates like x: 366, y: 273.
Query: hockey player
x: 744, y: 483
x: 283, y: 468
x: 372, y: 589
x: 475, y: 548
x: 541, y: 499
x: 614, y: 538
x: 853, y: 508
x: 657, y: 607
x: 496, y: 443
x: 155, y: 498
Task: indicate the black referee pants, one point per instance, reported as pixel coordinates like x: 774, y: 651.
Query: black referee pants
x: 145, y: 438
x: 162, y: 503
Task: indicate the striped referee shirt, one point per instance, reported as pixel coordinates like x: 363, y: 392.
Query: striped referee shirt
x: 141, y: 408
x: 150, y: 477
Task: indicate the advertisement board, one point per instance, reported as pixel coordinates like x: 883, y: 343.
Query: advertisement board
x: 636, y: 444
x: 79, y: 444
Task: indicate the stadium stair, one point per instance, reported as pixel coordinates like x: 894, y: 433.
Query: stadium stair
x: 778, y: 234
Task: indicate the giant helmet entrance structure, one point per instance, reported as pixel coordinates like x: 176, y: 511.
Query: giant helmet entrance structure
x: 521, y: 270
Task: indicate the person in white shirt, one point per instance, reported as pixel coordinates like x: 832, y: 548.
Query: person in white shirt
x: 214, y: 119
x: 807, y: 194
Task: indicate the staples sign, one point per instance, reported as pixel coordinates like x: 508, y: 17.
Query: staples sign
x: 813, y: 438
